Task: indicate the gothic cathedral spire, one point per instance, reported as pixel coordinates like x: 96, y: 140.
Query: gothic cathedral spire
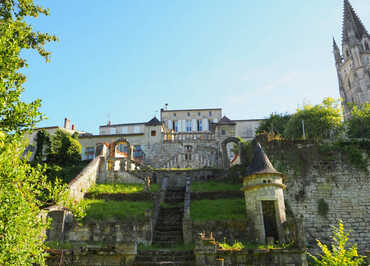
x: 352, y: 25
x: 353, y: 62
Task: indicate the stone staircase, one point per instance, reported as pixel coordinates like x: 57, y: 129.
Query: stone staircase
x: 164, y: 257
x: 168, y: 230
x: 168, y: 234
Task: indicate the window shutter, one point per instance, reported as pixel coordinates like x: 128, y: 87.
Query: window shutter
x: 205, y: 124
x: 169, y: 124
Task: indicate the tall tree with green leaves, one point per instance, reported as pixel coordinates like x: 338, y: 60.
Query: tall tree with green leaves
x: 359, y: 122
x: 16, y: 35
x: 316, y: 122
x: 23, y: 189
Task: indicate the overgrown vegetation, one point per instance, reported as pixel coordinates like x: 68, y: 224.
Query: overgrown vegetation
x: 218, y: 210
x: 121, y: 188
x: 275, y: 124
x: 238, y: 245
x: 178, y: 247
x: 359, y: 123
x: 340, y: 253
x: 106, y: 210
x: 213, y: 186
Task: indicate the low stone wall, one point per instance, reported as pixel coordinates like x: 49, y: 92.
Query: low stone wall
x: 222, y: 230
x: 119, y: 177
x: 119, y: 254
x: 81, y: 184
x: 112, y: 231
x: 178, y: 177
x: 253, y: 257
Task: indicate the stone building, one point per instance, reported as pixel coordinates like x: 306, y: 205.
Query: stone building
x: 187, y: 138
x: 353, y: 62
x: 264, y: 198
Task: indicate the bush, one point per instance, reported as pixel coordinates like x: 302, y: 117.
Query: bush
x: 339, y: 255
x: 275, y: 124
x: 320, y: 121
x: 359, y: 122
x: 64, y: 149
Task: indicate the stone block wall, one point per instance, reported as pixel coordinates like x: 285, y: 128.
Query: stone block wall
x: 314, y: 179
x: 112, y: 231
x: 81, y: 184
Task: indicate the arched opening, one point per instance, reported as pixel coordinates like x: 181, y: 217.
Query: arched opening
x: 231, y: 152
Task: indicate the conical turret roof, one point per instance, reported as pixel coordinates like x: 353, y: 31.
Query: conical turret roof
x: 260, y: 163
x: 352, y: 22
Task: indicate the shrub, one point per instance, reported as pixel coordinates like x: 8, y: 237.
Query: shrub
x: 339, y: 255
x: 64, y: 149
x: 359, y: 122
x: 320, y: 121
x: 275, y: 124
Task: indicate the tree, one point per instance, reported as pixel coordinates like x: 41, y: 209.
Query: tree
x: 23, y: 189
x: 275, y: 124
x: 320, y: 121
x: 359, y: 122
x: 16, y: 35
x: 64, y: 149
x: 339, y: 254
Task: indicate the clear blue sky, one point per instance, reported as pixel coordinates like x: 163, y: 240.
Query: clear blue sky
x: 124, y: 59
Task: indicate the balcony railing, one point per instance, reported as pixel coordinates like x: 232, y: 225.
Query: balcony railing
x: 188, y: 136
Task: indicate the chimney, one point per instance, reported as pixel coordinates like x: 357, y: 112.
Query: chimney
x: 67, y: 123
x: 73, y: 127
x: 109, y: 123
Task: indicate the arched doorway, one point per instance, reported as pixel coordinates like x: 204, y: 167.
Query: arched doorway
x: 231, y: 151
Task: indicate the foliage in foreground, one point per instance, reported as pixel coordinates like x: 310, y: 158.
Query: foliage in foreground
x: 218, y: 210
x: 339, y: 254
x: 64, y: 149
x: 23, y: 190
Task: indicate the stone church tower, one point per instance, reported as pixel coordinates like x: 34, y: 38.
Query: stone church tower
x: 353, y: 64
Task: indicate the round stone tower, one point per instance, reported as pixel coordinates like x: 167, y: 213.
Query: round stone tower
x: 264, y: 198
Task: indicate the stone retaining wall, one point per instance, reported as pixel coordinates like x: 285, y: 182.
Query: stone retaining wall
x: 88, y: 176
x: 112, y: 231
x: 315, y: 180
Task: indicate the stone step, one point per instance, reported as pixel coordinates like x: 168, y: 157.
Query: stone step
x: 161, y: 252
x: 169, y: 263
x: 163, y: 258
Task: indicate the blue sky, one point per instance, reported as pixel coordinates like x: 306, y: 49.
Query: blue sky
x: 124, y: 59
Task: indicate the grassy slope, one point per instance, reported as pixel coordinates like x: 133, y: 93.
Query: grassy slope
x: 213, y: 186
x: 121, y: 188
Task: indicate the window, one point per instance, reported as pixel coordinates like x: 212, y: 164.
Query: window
x: 124, y: 130
x: 188, y: 113
x: 188, y: 125
x: 123, y: 148
x: 347, y: 53
x: 366, y: 46
x: 223, y: 132
x: 174, y: 114
x: 113, y: 130
x: 137, y: 129
x: 210, y: 113
x: 176, y: 126
x: 198, y: 113
x: 138, y: 152
x: 90, y: 153
x: 188, y: 147
x: 188, y: 157
x: 199, y: 124
x: 153, y: 133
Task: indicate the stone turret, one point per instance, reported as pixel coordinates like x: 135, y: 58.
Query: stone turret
x: 353, y: 66
x: 264, y: 198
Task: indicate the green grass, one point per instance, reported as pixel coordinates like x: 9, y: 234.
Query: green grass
x: 58, y: 245
x: 105, y: 210
x: 218, y: 210
x: 246, y: 245
x: 213, y: 186
x: 121, y: 188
